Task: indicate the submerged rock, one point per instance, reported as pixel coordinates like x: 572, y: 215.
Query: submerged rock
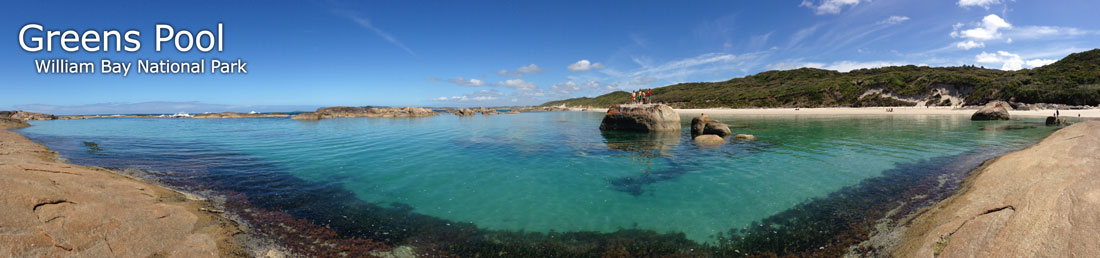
x: 709, y: 139
x: 23, y: 115
x: 995, y: 110
x: 744, y: 137
x: 334, y: 112
x: 1007, y: 127
x: 704, y: 125
x: 641, y: 118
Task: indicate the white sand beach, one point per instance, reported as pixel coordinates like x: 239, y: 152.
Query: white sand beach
x: 1084, y: 113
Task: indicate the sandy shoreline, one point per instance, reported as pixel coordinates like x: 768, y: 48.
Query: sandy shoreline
x: 49, y: 208
x: 1085, y: 113
x: 1043, y: 201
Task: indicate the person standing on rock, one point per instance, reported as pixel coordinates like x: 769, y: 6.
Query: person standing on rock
x: 649, y: 96
x: 632, y: 97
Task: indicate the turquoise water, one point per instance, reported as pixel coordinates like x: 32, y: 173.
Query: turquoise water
x: 538, y: 171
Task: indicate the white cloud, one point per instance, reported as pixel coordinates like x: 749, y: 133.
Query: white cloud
x: 531, y: 68
x: 1008, y: 61
x: 1040, y: 62
x: 847, y: 66
x: 518, y: 84
x: 584, y: 65
x: 840, y: 66
x: 829, y: 6
x: 464, y: 82
x: 527, y: 69
x: 568, y: 87
x: 988, y: 29
x: 894, y: 20
x: 783, y: 66
x: 983, y: 3
x: 969, y: 44
x: 478, y: 96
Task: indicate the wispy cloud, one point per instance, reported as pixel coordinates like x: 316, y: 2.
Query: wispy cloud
x: 894, y: 20
x: 366, y: 24
x: 829, y: 6
x: 519, y: 72
x: 980, y: 3
x: 467, y: 82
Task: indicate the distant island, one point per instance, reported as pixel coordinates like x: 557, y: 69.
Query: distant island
x: 1074, y: 80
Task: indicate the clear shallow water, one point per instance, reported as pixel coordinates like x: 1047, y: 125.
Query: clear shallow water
x: 535, y: 171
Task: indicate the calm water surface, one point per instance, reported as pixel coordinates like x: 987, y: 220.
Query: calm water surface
x: 537, y: 171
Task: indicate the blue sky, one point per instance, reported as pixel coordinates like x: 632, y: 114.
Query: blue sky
x: 489, y: 53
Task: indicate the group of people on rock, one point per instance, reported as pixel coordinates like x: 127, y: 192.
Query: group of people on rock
x: 644, y: 96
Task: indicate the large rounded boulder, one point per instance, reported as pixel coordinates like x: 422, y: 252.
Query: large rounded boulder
x: 703, y: 125
x: 641, y: 118
x: 996, y: 110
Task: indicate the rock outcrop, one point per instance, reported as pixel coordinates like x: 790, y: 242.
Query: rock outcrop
x: 995, y: 110
x: 52, y: 209
x: 23, y: 115
x: 12, y: 123
x: 239, y: 115
x: 335, y: 112
x: 473, y: 111
x: 1042, y: 201
x: 704, y: 125
x: 641, y: 118
x: 543, y: 108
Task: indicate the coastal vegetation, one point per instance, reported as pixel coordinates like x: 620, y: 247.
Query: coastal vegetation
x: 1074, y: 80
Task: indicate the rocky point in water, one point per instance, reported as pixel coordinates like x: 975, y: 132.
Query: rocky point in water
x: 239, y: 115
x: 473, y: 111
x: 334, y: 112
x: 995, y: 110
x: 23, y: 115
x: 641, y: 118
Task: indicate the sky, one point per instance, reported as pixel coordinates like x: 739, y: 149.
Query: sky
x: 306, y: 54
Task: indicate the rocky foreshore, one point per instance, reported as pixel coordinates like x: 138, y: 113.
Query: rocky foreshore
x: 49, y: 208
x: 23, y: 115
x: 1043, y: 201
x: 6, y: 123
x: 335, y: 112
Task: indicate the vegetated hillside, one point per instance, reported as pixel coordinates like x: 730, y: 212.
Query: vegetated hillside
x: 1074, y: 80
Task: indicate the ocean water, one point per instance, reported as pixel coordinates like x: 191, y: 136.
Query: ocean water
x: 535, y: 172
